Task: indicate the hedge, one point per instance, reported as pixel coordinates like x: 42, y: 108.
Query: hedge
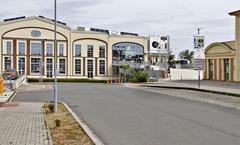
x: 70, y: 80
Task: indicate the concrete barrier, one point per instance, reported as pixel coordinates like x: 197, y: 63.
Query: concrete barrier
x: 16, y: 83
x: 20, y: 81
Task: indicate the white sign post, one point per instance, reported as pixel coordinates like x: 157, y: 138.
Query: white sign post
x: 198, y: 44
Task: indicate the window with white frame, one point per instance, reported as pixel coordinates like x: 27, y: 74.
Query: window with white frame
x: 35, y: 48
x: 49, y: 49
x: 78, y: 66
x: 90, y: 50
x: 21, y: 65
x: 102, y: 51
x: 21, y: 48
x: 90, y: 65
x: 77, y: 50
x: 7, y: 63
x: 61, y: 50
x: 9, y: 48
x: 62, y: 66
x: 102, y: 67
x: 35, y: 65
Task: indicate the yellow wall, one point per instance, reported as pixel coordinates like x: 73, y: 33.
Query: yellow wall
x: 18, y: 29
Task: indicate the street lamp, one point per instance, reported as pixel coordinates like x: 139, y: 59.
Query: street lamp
x: 55, y: 56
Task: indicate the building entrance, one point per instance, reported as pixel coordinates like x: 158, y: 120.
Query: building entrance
x: 49, y: 67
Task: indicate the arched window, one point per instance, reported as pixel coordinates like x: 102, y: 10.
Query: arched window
x: 127, y: 51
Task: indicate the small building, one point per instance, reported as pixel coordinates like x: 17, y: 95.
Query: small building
x: 222, y: 59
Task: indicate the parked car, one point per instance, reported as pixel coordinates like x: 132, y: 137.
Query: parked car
x: 10, y: 73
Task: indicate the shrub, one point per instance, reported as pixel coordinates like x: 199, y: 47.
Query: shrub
x: 51, y: 107
x: 139, y: 77
x: 57, y: 122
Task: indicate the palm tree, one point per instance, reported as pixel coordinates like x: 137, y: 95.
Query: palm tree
x: 171, y: 59
x: 186, y: 54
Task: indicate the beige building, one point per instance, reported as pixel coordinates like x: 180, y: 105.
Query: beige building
x: 28, y: 46
x: 223, y: 58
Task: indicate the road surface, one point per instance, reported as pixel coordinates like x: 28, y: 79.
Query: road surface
x: 126, y: 116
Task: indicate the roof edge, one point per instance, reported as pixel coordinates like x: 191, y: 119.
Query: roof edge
x: 234, y: 13
x: 221, y: 43
x: 36, y: 18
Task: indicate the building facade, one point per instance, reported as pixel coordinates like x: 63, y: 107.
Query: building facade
x: 223, y: 58
x: 27, y: 44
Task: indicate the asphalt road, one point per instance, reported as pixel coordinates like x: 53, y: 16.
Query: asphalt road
x: 125, y: 116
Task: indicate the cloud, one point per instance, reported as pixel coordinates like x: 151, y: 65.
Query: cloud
x: 178, y: 18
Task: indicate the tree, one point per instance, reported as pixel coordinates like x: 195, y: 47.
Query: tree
x: 171, y: 61
x: 171, y: 57
x: 186, y: 54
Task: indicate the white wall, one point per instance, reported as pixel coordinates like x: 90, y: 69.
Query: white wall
x: 185, y: 74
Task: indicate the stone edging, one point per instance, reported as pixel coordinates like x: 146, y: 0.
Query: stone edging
x: 46, y: 124
x: 88, y: 131
x: 194, y: 89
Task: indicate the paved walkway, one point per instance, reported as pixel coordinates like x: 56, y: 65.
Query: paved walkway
x: 229, y: 88
x: 23, y: 124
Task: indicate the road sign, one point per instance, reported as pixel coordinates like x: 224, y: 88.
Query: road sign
x: 198, y: 64
x: 198, y: 42
x: 198, y: 45
x: 199, y: 54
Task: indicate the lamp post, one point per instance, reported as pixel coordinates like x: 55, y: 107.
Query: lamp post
x: 55, y: 56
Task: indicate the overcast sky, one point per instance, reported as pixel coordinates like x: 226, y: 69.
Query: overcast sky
x: 177, y: 18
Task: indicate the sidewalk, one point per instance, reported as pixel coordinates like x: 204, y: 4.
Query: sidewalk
x: 218, y: 87
x: 23, y: 124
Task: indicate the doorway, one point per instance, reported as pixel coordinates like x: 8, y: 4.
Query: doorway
x: 210, y: 71
x: 226, y: 69
x: 49, y: 67
x: 90, y: 68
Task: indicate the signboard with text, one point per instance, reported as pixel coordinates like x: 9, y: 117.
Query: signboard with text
x: 198, y: 45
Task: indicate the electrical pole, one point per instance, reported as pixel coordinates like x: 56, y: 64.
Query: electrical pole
x: 55, y: 56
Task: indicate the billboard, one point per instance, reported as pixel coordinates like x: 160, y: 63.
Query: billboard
x: 159, y: 44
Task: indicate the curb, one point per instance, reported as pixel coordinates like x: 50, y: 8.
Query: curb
x: 47, y: 126
x: 195, y: 89
x: 88, y: 131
